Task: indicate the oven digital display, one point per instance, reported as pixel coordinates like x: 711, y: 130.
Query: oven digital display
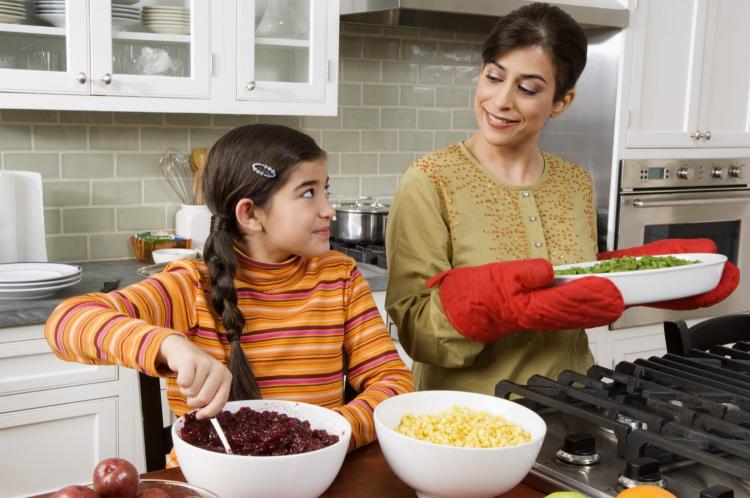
x: 655, y: 174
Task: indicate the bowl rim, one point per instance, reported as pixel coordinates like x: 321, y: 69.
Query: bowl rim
x: 346, y: 435
x: 174, y: 251
x: 715, y: 259
x: 532, y: 413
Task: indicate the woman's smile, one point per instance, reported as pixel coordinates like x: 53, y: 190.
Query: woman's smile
x: 498, y: 122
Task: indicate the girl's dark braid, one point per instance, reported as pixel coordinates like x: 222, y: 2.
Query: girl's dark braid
x: 222, y: 266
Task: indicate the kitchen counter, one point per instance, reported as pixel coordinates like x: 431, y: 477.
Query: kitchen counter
x: 20, y: 312
x: 366, y: 473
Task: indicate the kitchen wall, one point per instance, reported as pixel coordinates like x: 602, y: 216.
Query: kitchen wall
x: 403, y: 92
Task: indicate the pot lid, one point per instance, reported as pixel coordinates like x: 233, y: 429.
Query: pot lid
x: 361, y: 205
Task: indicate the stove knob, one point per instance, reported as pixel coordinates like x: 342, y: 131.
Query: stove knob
x: 736, y: 172
x: 685, y: 173
x: 578, y: 449
x: 643, y: 470
x: 717, y: 492
x: 718, y: 172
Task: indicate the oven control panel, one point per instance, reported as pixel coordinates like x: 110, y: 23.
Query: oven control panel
x: 680, y: 173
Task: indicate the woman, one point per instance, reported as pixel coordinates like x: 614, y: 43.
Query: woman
x: 474, y: 227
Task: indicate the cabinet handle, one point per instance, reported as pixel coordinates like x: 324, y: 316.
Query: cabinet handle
x: 707, y: 135
x: 81, y: 78
x: 250, y: 85
x: 697, y: 135
x: 106, y: 78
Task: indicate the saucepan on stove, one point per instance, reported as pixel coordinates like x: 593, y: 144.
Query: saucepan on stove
x: 360, y: 222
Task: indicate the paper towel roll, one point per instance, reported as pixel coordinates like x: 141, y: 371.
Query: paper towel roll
x: 21, y: 217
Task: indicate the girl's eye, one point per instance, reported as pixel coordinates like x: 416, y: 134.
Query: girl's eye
x: 308, y: 194
x: 328, y: 190
x: 527, y: 91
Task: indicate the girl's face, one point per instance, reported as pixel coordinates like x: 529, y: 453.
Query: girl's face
x: 514, y: 98
x: 297, y: 218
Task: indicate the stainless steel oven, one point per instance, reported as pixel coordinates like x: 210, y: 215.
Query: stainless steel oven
x: 661, y: 199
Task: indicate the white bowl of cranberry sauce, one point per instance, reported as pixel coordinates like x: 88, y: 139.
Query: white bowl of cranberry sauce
x: 281, y: 449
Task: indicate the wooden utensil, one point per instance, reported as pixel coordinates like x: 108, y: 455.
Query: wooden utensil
x: 198, y: 158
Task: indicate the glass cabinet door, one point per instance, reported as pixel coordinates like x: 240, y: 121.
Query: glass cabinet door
x: 281, y: 49
x: 159, y: 48
x: 44, y: 46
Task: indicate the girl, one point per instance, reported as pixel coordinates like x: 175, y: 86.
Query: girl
x: 290, y: 317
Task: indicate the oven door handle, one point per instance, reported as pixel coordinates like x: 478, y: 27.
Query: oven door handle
x: 690, y: 202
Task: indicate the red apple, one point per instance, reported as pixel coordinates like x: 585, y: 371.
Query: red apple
x: 116, y: 478
x: 75, y: 491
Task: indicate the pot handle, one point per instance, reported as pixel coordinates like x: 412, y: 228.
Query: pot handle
x: 365, y: 201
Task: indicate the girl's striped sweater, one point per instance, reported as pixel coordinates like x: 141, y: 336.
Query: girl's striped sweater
x: 303, y: 318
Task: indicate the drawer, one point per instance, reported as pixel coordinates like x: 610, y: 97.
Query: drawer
x: 30, y: 365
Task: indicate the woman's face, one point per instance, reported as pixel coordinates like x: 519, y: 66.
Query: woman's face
x: 514, y: 97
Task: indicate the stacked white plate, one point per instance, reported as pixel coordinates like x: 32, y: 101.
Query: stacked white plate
x: 163, y: 19
x: 53, y: 11
x: 36, y: 280
x: 12, y: 11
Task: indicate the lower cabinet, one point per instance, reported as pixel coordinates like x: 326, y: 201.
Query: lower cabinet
x: 57, y: 418
x: 610, y: 347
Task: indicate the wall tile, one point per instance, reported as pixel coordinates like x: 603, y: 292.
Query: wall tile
x: 140, y: 218
x: 115, y: 193
x: 382, y: 48
x: 162, y: 138
x: 398, y: 117
x: 137, y: 164
x: 29, y: 116
x: 341, y: 141
x: 67, y: 248
x: 114, y: 138
x: 321, y: 122
x: 350, y: 47
x: 87, y: 165
x: 378, y: 186
x: 357, y: 70
x: 454, y: 53
x: 433, y: 119
x: 62, y: 193
x: 59, y: 137
x: 464, y: 119
x: 452, y: 97
x: 361, y: 118
x: 350, y: 93
x: 188, y: 119
x: 380, y: 94
x: 415, y: 140
x: 400, y: 32
x: 344, y: 187
x: 400, y: 72
x: 52, y: 219
x: 86, y: 117
x: 15, y: 137
x: 443, y: 138
x: 378, y: 141
x: 231, y: 120
x: 290, y: 121
x: 363, y: 29
x: 419, y: 50
x: 394, y: 163
x: 45, y: 163
x: 158, y: 191
x: 206, y: 137
x: 436, y: 33
x: 417, y: 96
x: 359, y: 164
x: 466, y: 75
x: 139, y: 118
x: 88, y: 220
x: 436, y: 74
x: 333, y: 163
x: 111, y: 246
x: 171, y: 213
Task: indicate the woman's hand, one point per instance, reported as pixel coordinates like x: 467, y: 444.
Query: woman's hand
x: 203, y: 380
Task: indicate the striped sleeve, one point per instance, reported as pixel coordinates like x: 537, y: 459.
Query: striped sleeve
x: 126, y: 327
x: 376, y: 371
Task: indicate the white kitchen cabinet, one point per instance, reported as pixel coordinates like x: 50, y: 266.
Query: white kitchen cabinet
x: 59, y: 416
x: 689, y: 82
x: 95, y: 59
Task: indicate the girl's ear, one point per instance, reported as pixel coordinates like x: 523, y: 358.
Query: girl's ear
x: 248, y: 216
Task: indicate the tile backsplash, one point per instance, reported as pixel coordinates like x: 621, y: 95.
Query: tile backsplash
x: 402, y: 93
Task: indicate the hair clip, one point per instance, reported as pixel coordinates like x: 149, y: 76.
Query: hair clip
x: 264, y: 170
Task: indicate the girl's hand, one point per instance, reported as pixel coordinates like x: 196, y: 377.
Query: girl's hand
x: 203, y: 380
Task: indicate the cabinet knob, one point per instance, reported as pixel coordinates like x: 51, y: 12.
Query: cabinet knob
x: 106, y: 78
x: 707, y: 135
x: 250, y: 85
x: 696, y: 135
x: 736, y: 172
x: 81, y: 78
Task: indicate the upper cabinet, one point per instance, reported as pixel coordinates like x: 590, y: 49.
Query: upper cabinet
x: 690, y: 76
x: 204, y: 56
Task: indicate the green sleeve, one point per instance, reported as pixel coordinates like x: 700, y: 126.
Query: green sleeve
x: 418, y: 246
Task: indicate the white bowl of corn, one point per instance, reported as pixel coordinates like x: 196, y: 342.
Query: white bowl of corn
x: 454, y: 444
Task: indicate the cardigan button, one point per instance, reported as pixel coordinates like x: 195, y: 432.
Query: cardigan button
x: 537, y: 244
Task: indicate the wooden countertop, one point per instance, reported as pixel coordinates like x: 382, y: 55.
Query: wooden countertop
x: 365, y: 471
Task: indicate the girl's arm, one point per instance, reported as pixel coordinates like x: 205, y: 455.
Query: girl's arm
x: 375, y: 370
x: 126, y: 327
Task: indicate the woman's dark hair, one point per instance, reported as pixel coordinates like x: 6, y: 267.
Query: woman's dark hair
x: 545, y: 26
x: 232, y: 173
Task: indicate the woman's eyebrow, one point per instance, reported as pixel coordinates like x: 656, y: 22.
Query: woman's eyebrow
x: 523, y: 76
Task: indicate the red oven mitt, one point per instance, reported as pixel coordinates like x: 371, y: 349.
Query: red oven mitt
x: 485, y: 303
x: 729, y: 281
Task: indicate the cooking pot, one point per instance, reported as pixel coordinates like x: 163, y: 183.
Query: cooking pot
x: 360, y: 222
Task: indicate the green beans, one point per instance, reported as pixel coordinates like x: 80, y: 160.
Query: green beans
x: 627, y: 263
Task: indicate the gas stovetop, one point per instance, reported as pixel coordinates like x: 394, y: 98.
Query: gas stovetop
x: 680, y: 422
x: 371, y: 254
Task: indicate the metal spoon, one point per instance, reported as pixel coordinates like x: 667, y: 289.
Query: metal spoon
x: 222, y: 437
